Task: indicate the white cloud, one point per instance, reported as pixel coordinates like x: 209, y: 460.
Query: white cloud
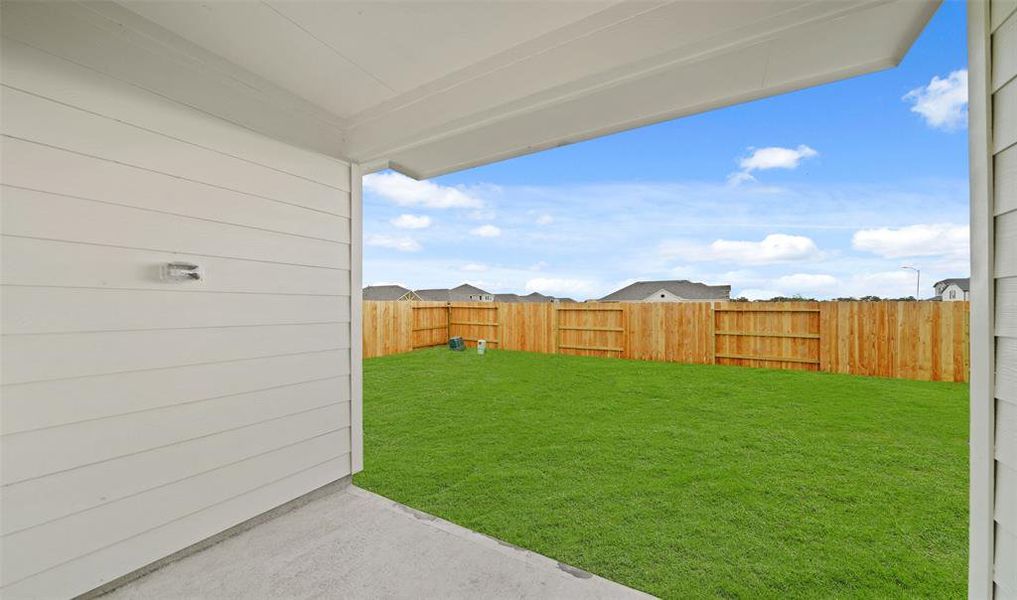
x: 623, y: 238
x: 545, y: 219
x: 486, y: 231
x: 807, y: 281
x: 403, y: 244
x: 739, y: 177
x: 914, y: 240
x: 404, y: 191
x: 771, y: 157
x: 559, y: 286
x: 943, y: 103
x: 775, y: 157
x: 411, y: 221
x: 774, y: 248
x: 473, y: 268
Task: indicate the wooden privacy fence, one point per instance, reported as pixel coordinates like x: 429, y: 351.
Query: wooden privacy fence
x: 911, y: 340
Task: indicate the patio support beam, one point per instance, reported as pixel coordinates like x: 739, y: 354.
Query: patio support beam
x: 356, y: 320
x: 982, y: 524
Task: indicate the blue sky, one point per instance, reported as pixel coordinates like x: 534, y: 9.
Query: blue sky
x: 823, y: 192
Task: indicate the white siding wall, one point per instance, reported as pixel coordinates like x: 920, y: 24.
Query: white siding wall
x: 141, y: 416
x: 663, y: 296
x: 994, y: 298
x: 1004, y: 147
x: 958, y: 294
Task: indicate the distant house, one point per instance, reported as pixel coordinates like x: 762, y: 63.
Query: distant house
x: 462, y: 293
x: 669, y: 291
x: 388, y: 293
x: 469, y: 293
x: 531, y: 297
x: 953, y: 290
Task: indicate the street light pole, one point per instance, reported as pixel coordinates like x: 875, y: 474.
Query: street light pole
x: 918, y: 280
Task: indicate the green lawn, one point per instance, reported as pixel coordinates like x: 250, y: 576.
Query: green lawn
x: 683, y: 480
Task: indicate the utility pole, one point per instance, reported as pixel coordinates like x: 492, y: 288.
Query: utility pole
x: 918, y: 280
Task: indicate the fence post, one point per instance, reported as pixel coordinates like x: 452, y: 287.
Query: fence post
x: 625, y: 328
x: 827, y: 315
x: 713, y: 333
x: 554, y: 328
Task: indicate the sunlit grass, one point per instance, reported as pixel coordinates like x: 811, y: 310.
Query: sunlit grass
x: 683, y: 480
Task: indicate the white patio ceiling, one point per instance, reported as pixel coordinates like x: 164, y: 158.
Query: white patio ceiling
x: 432, y: 87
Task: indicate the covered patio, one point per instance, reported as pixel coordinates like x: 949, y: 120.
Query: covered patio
x: 182, y: 252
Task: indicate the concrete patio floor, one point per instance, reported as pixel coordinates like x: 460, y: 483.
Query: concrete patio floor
x: 354, y: 544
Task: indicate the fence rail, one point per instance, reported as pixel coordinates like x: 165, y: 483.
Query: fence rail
x: 911, y: 340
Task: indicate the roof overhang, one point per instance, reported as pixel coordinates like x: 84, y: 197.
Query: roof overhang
x: 428, y: 88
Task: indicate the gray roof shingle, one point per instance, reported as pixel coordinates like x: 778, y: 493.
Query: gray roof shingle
x: 434, y: 294
x: 385, y: 292
x: 689, y: 290
x: 456, y: 294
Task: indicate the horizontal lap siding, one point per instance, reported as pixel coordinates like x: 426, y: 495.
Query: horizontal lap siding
x: 47, y: 499
x: 1003, y: 18
x: 51, y: 403
x: 56, y: 263
x: 31, y: 165
x: 92, y: 569
x: 141, y: 416
x: 142, y: 512
x: 43, y: 215
x: 29, y: 68
x: 49, y: 310
x: 45, y: 121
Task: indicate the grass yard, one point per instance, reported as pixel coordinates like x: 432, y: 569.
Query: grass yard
x: 683, y: 480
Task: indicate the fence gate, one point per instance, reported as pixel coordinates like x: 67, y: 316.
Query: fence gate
x: 778, y: 335
x: 590, y: 330
x: 474, y: 321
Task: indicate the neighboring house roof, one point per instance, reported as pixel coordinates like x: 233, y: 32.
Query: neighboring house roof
x: 535, y: 297
x: 531, y: 297
x: 459, y: 293
x: 436, y: 294
x: 689, y: 290
x: 963, y: 283
x: 469, y: 290
x: 387, y: 292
